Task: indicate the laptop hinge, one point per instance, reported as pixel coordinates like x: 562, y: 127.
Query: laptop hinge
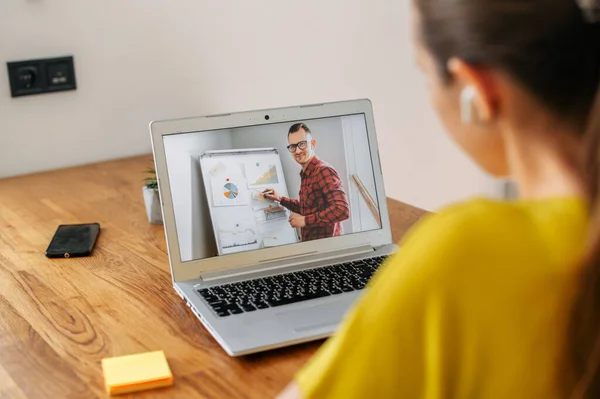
x: 285, y: 262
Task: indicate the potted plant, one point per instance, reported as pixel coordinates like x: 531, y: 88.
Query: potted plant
x: 152, y: 198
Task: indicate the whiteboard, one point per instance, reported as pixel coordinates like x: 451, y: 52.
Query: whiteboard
x: 242, y: 219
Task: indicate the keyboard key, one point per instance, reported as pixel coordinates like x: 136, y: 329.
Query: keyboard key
x: 277, y: 302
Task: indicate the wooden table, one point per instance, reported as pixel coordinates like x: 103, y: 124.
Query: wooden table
x: 59, y: 317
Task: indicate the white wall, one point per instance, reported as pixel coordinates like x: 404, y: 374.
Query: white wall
x: 185, y: 177
x: 360, y: 162
x: 140, y: 60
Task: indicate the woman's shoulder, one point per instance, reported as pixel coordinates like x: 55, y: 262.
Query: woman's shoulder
x: 459, y: 249
x: 483, y: 217
x: 475, y: 232
x: 494, y: 235
x: 474, y: 219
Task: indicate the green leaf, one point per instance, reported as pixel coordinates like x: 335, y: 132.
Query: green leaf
x: 150, y: 181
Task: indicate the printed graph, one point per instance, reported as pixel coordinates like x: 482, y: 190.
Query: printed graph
x: 261, y: 174
x: 237, y: 238
x: 237, y: 229
x: 271, y: 214
x: 230, y: 191
x: 275, y: 213
x: 269, y: 177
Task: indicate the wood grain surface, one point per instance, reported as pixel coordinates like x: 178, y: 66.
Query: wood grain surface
x: 60, y: 317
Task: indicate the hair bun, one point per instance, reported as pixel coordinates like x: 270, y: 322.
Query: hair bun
x: 590, y: 9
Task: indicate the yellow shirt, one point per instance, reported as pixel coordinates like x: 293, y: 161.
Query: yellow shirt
x: 474, y: 305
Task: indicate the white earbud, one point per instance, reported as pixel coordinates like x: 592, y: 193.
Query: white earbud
x: 467, y: 97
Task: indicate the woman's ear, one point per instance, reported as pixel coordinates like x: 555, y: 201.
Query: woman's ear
x: 478, y: 85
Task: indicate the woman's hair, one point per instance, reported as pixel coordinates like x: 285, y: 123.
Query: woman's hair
x: 552, y: 48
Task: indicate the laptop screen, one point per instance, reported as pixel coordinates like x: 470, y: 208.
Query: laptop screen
x: 256, y: 187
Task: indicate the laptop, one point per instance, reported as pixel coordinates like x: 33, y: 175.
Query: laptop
x: 272, y: 232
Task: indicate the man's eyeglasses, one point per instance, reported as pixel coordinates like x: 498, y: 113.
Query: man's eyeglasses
x: 301, y: 144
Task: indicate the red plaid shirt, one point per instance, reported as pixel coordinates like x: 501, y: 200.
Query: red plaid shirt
x: 322, y: 201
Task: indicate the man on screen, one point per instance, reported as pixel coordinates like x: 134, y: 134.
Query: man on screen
x: 322, y: 204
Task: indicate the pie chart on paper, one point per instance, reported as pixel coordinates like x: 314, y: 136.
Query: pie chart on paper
x: 230, y: 191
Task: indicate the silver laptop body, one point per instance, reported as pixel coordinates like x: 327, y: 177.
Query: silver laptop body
x: 201, y: 201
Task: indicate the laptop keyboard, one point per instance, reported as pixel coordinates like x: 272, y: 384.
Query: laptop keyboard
x: 283, y: 289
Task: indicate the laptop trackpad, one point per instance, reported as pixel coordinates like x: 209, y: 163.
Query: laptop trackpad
x: 314, y: 317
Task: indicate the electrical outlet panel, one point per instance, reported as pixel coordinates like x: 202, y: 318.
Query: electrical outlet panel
x: 41, y: 76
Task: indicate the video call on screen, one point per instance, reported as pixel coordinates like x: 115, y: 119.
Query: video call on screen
x: 222, y: 185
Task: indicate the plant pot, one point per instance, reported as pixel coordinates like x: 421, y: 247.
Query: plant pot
x: 152, y: 200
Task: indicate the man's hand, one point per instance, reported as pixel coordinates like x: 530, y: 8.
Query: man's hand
x: 297, y: 220
x: 270, y: 193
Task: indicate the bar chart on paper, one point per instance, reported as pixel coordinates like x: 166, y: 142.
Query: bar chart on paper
x: 261, y: 174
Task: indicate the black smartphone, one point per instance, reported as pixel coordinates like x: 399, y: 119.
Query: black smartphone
x: 71, y: 240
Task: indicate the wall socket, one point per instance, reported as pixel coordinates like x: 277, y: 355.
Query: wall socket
x: 41, y: 76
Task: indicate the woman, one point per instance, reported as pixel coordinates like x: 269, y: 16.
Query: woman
x: 492, y: 299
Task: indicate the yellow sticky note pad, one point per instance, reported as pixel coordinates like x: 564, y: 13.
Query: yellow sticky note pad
x: 138, y: 372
